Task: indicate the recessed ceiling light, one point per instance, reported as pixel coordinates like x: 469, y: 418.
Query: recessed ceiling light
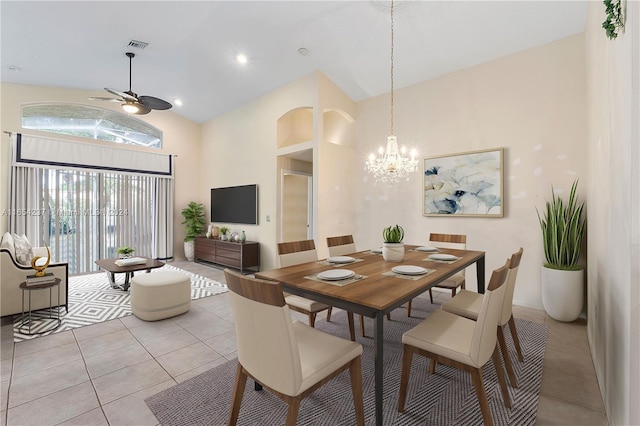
x: 178, y: 102
x: 241, y: 58
x: 303, y: 51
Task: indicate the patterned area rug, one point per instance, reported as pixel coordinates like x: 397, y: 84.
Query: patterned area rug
x: 92, y: 300
x: 445, y: 398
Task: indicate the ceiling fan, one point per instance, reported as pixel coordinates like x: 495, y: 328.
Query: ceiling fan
x: 133, y: 103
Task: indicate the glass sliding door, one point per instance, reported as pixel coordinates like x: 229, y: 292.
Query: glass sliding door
x: 88, y: 215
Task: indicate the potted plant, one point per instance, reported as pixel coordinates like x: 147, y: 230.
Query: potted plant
x: 562, y: 278
x: 124, y: 252
x: 223, y: 233
x: 393, y: 247
x: 194, y: 225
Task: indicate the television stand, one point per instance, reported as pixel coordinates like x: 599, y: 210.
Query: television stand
x: 228, y: 253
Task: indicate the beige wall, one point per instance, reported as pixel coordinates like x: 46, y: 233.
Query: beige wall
x: 181, y: 138
x: 613, y: 70
x: 531, y: 103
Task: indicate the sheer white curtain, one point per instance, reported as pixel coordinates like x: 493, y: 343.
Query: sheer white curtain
x: 85, y: 210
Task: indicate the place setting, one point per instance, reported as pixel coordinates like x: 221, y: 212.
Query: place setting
x: 427, y: 249
x: 339, y: 260
x: 442, y: 258
x: 338, y: 277
x: 409, y: 272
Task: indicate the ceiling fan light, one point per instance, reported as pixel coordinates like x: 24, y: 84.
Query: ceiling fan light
x: 131, y: 108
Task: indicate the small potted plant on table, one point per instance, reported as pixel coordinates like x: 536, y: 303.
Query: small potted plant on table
x: 124, y: 252
x: 393, y: 247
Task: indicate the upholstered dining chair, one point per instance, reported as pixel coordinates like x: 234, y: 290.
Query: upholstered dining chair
x: 462, y: 343
x: 289, y: 358
x: 294, y: 253
x: 339, y: 246
x: 455, y: 241
x: 468, y: 304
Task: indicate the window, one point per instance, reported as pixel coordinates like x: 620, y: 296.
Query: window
x: 90, y: 122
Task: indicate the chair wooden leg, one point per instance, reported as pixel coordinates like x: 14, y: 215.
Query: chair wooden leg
x: 482, y: 397
x: 507, y: 358
x: 352, y: 331
x: 408, y: 308
x: 355, y: 371
x: 362, y: 325
x: 431, y: 296
x: 238, y: 392
x: 453, y: 293
x: 407, y: 355
x: 503, y: 383
x: 312, y: 319
x: 329, y: 314
x: 516, y: 340
x: 389, y: 316
x: 292, y: 415
x: 432, y: 366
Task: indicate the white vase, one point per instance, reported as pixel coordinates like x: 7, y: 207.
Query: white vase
x: 562, y: 293
x: 189, y: 250
x: 393, y: 252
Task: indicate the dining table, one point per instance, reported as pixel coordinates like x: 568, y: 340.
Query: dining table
x: 370, y: 286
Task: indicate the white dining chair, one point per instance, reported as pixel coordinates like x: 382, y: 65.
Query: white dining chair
x: 468, y: 304
x: 455, y: 241
x: 339, y: 246
x: 290, y: 359
x: 294, y: 253
x: 461, y: 343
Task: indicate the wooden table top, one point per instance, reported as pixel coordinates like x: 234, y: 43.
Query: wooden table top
x: 110, y: 266
x: 376, y: 292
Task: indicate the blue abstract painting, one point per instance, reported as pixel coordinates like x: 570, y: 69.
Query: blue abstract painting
x: 467, y: 184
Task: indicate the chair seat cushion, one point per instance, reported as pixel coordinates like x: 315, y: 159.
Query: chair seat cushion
x: 303, y: 303
x: 321, y: 353
x: 466, y: 303
x: 452, y: 282
x: 445, y: 334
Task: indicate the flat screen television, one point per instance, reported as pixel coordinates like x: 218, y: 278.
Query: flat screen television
x: 235, y: 204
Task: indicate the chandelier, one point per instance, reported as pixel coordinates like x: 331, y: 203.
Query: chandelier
x: 390, y: 165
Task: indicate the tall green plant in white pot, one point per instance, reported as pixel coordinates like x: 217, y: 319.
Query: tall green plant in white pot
x: 562, y: 277
x: 194, y: 225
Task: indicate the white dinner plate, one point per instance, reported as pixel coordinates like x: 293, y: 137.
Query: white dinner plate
x: 336, y: 274
x: 409, y: 270
x: 340, y: 259
x: 377, y: 250
x: 426, y: 248
x: 443, y: 256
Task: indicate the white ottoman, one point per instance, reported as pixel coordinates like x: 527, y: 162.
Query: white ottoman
x: 159, y: 295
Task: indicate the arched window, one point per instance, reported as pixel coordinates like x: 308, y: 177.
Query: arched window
x: 90, y: 122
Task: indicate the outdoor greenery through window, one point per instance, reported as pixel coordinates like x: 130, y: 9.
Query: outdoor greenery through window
x: 90, y: 122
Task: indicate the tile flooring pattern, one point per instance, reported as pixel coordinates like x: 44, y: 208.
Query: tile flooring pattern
x: 101, y: 374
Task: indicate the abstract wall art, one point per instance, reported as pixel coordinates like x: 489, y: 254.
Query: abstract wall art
x: 465, y: 184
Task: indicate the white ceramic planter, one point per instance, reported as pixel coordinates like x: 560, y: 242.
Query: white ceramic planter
x: 562, y: 293
x: 393, y: 252
x: 189, y: 250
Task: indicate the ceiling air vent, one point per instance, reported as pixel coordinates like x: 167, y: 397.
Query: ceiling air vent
x: 138, y: 44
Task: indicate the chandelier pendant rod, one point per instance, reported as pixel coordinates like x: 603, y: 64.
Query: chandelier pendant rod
x: 391, y: 133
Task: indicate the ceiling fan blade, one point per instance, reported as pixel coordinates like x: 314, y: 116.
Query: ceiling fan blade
x: 100, y: 98
x: 154, y: 103
x: 123, y: 95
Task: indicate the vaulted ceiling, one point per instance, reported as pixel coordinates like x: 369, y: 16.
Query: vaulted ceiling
x: 193, y: 46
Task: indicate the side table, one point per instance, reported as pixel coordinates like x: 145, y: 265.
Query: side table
x: 26, y: 319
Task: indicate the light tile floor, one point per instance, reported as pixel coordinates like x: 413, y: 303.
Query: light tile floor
x: 101, y: 374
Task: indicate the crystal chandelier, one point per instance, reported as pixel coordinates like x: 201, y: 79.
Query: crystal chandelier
x: 391, y: 164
